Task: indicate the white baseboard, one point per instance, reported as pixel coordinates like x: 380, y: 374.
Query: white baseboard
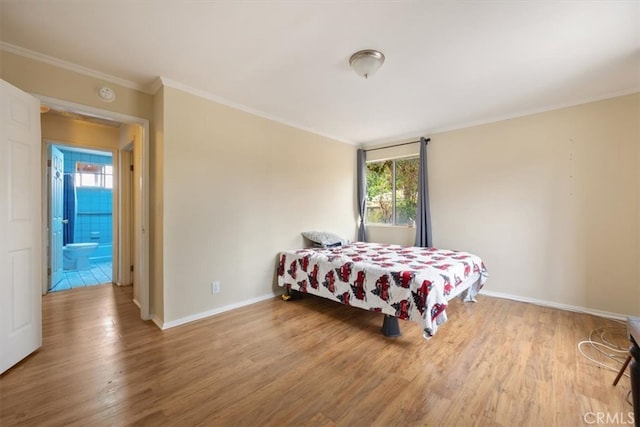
x: 557, y: 305
x: 198, y: 316
x: 209, y: 313
x: 135, y: 301
x: 155, y: 319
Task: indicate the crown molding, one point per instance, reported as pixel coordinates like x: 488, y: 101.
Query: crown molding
x: 8, y: 47
x: 155, y: 86
x: 152, y: 89
x: 220, y: 100
x: 496, y: 119
x: 541, y: 110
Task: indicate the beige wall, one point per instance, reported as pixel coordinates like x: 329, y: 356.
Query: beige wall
x: 228, y: 189
x: 394, y: 234
x: 61, y: 84
x: 550, y: 202
x: 237, y: 190
x: 68, y: 131
x: 39, y: 78
x: 156, y: 202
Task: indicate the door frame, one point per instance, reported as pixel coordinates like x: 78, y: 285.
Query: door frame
x: 141, y: 228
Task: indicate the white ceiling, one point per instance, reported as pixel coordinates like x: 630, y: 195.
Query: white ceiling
x: 449, y: 64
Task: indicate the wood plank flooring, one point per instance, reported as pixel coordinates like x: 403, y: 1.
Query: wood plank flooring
x: 309, y: 362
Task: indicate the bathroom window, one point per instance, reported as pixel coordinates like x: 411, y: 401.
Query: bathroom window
x: 94, y: 175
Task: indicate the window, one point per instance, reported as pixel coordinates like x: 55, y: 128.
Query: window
x: 392, y: 191
x: 94, y: 175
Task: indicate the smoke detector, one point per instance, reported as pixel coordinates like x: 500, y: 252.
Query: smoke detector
x: 106, y: 94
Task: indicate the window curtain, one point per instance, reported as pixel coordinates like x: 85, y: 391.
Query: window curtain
x: 362, y: 194
x: 69, y: 208
x: 423, y: 212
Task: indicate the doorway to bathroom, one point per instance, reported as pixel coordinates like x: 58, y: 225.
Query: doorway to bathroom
x: 97, y: 131
x: 80, y: 217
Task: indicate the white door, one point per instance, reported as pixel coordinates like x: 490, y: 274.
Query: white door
x: 56, y: 186
x: 20, y: 226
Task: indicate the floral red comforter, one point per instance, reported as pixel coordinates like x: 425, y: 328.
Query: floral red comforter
x: 410, y: 283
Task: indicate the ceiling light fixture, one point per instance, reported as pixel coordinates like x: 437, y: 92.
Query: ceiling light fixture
x: 366, y: 62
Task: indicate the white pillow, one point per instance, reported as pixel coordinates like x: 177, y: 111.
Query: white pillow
x: 324, y: 239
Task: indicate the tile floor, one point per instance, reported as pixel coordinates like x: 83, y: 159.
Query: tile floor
x: 99, y: 273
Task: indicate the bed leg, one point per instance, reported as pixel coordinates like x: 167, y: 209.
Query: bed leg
x: 390, y: 326
x: 290, y: 294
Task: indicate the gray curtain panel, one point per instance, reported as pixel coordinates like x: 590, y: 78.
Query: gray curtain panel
x: 362, y: 194
x: 423, y: 212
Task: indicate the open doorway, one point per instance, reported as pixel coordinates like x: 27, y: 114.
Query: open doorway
x: 129, y: 243
x: 83, y: 213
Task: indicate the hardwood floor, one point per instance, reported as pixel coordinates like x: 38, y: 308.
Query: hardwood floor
x: 309, y: 362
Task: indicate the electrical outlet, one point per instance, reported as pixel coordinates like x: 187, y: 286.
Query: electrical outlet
x: 215, y: 286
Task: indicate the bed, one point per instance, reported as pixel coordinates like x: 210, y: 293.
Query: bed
x: 408, y: 283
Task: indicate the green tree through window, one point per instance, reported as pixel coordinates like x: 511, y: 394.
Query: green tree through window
x: 392, y: 191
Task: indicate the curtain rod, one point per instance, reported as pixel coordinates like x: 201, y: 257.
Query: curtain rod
x: 396, y: 145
